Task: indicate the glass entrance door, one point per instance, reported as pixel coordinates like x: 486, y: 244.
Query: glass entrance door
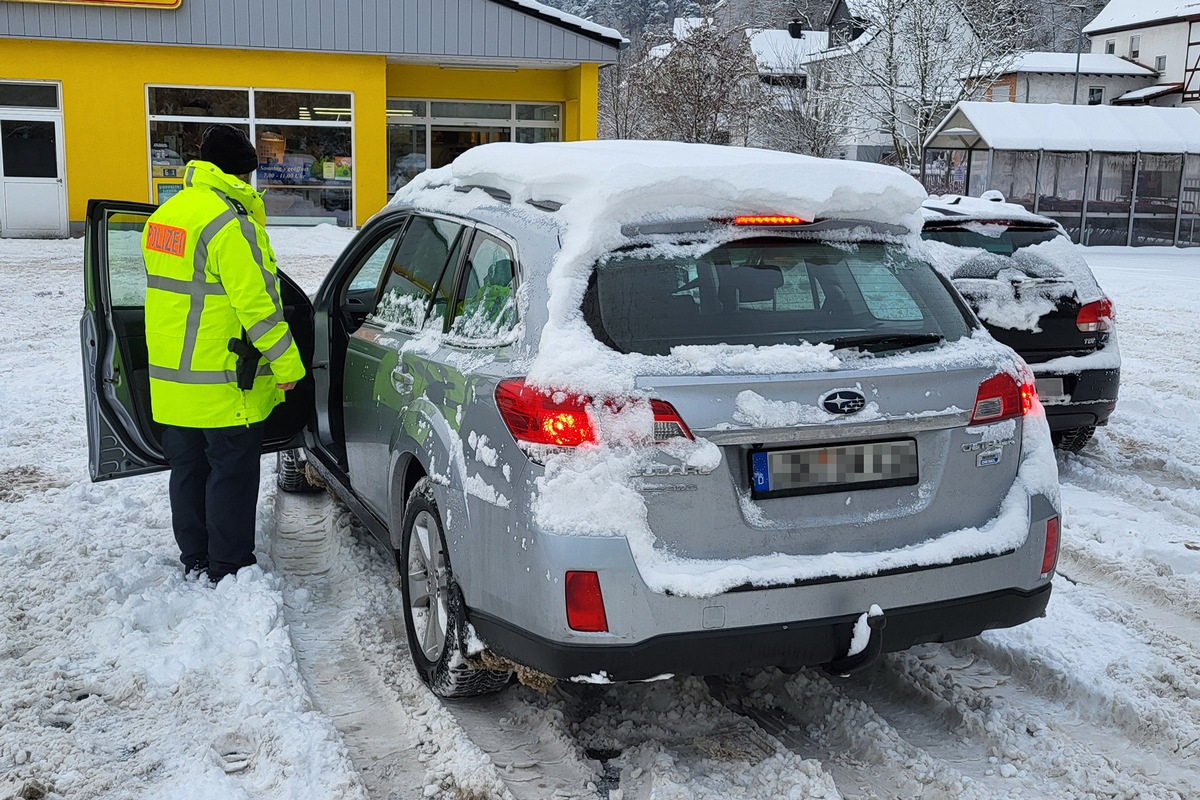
x: 449, y: 142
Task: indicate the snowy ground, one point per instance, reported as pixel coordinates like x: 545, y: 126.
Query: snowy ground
x: 119, y: 680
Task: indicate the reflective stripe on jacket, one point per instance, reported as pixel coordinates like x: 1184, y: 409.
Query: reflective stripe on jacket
x: 210, y: 274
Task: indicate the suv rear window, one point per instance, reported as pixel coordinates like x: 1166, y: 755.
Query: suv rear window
x: 767, y: 292
x: 1004, y: 243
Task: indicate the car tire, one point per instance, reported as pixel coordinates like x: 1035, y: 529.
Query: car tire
x: 1072, y: 440
x: 290, y: 473
x: 434, y: 612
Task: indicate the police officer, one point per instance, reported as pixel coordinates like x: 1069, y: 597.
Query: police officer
x: 211, y: 284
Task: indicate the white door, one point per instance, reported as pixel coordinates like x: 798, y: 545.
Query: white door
x: 33, y: 191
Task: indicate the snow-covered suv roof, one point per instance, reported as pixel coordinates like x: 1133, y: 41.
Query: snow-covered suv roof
x: 980, y: 209
x: 601, y: 183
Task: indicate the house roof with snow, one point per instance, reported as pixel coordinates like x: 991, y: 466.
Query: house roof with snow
x: 1075, y: 129
x: 777, y: 53
x: 1064, y: 64
x: 1148, y: 93
x: 1121, y: 15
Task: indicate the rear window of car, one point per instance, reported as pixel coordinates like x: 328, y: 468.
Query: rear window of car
x: 767, y: 292
x: 994, y: 238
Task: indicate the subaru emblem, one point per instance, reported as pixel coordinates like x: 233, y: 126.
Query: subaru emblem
x: 844, y: 401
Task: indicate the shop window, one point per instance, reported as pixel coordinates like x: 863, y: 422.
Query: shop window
x: 304, y: 141
x: 406, y: 153
x: 428, y: 134
x: 29, y: 95
x: 173, y: 101
x: 540, y: 113
x: 532, y: 135
x: 304, y: 106
x: 471, y: 110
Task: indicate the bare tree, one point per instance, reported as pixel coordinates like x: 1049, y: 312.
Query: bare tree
x: 702, y: 87
x: 801, y: 114
x: 907, y: 69
x: 623, y: 106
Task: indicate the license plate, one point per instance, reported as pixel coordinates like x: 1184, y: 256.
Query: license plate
x: 818, y: 470
x: 1050, y: 391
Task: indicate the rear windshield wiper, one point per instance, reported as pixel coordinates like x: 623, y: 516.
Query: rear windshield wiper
x: 894, y: 341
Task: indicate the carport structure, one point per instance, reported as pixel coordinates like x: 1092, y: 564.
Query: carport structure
x: 1110, y: 175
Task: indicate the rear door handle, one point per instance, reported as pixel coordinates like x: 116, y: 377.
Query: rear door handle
x: 401, y: 380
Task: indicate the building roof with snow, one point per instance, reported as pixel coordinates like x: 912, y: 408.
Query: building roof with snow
x: 777, y: 53
x: 1064, y: 64
x: 1121, y: 15
x: 1075, y: 129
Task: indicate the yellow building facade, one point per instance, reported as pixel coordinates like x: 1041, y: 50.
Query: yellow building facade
x: 337, y: 132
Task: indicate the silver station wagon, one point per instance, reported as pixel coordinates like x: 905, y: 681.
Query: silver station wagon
x: 625, y: 410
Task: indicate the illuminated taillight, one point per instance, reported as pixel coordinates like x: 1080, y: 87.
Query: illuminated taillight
x: 536, y: 417
x: 768, y: 220
x: 585, y: 603
x: 1050, y: 554
x: 667, y: 422
x: 1095, y: 317
x: 1000, y: 397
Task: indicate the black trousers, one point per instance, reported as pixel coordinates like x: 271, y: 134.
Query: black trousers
x: 214, y: 494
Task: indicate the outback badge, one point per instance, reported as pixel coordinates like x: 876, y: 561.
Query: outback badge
x: 843, y: 401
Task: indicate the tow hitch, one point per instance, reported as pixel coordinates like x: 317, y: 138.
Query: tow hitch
x: 865, y: 645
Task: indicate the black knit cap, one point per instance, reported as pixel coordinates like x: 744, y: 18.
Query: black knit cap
x: 229, y: 149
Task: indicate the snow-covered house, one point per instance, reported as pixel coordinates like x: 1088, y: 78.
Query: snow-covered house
x: 1161, y: 34
x: 1037, y: 77
x: 902, y: 61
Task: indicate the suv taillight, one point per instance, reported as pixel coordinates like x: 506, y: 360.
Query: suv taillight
x: 667, y: 422
x: 534, y: 416
x: 1095, y: 317
x: 1001, y: 397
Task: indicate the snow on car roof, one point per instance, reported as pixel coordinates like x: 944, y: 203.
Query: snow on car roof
x: 977, y: 209
x: 626, y: 181
x: 1120, y: 14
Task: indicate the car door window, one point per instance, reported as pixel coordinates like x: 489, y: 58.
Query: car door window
x: 486, y: 303
x: 366, y: 274
x: 415, y: 272
x: 126, y: 268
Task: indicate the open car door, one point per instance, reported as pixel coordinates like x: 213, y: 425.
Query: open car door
x: 123, y: 438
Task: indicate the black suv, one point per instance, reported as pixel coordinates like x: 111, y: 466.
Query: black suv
x: 1033, y: 290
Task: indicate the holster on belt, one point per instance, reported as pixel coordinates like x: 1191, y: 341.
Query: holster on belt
x: 247, y: 361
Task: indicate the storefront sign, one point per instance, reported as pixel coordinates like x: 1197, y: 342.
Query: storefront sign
x: 112, y: 3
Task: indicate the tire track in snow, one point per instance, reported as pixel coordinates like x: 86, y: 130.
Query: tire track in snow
x: 402, y: 742
x: 347, y: 627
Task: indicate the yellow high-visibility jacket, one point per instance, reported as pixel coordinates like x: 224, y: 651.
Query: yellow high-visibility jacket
x: 210, y: 275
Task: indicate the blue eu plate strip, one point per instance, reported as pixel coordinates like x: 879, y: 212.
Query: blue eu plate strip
x: 762, y: 476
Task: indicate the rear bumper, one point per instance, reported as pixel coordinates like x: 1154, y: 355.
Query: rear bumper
x: 789, y: 645
x: 1093, y: 397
